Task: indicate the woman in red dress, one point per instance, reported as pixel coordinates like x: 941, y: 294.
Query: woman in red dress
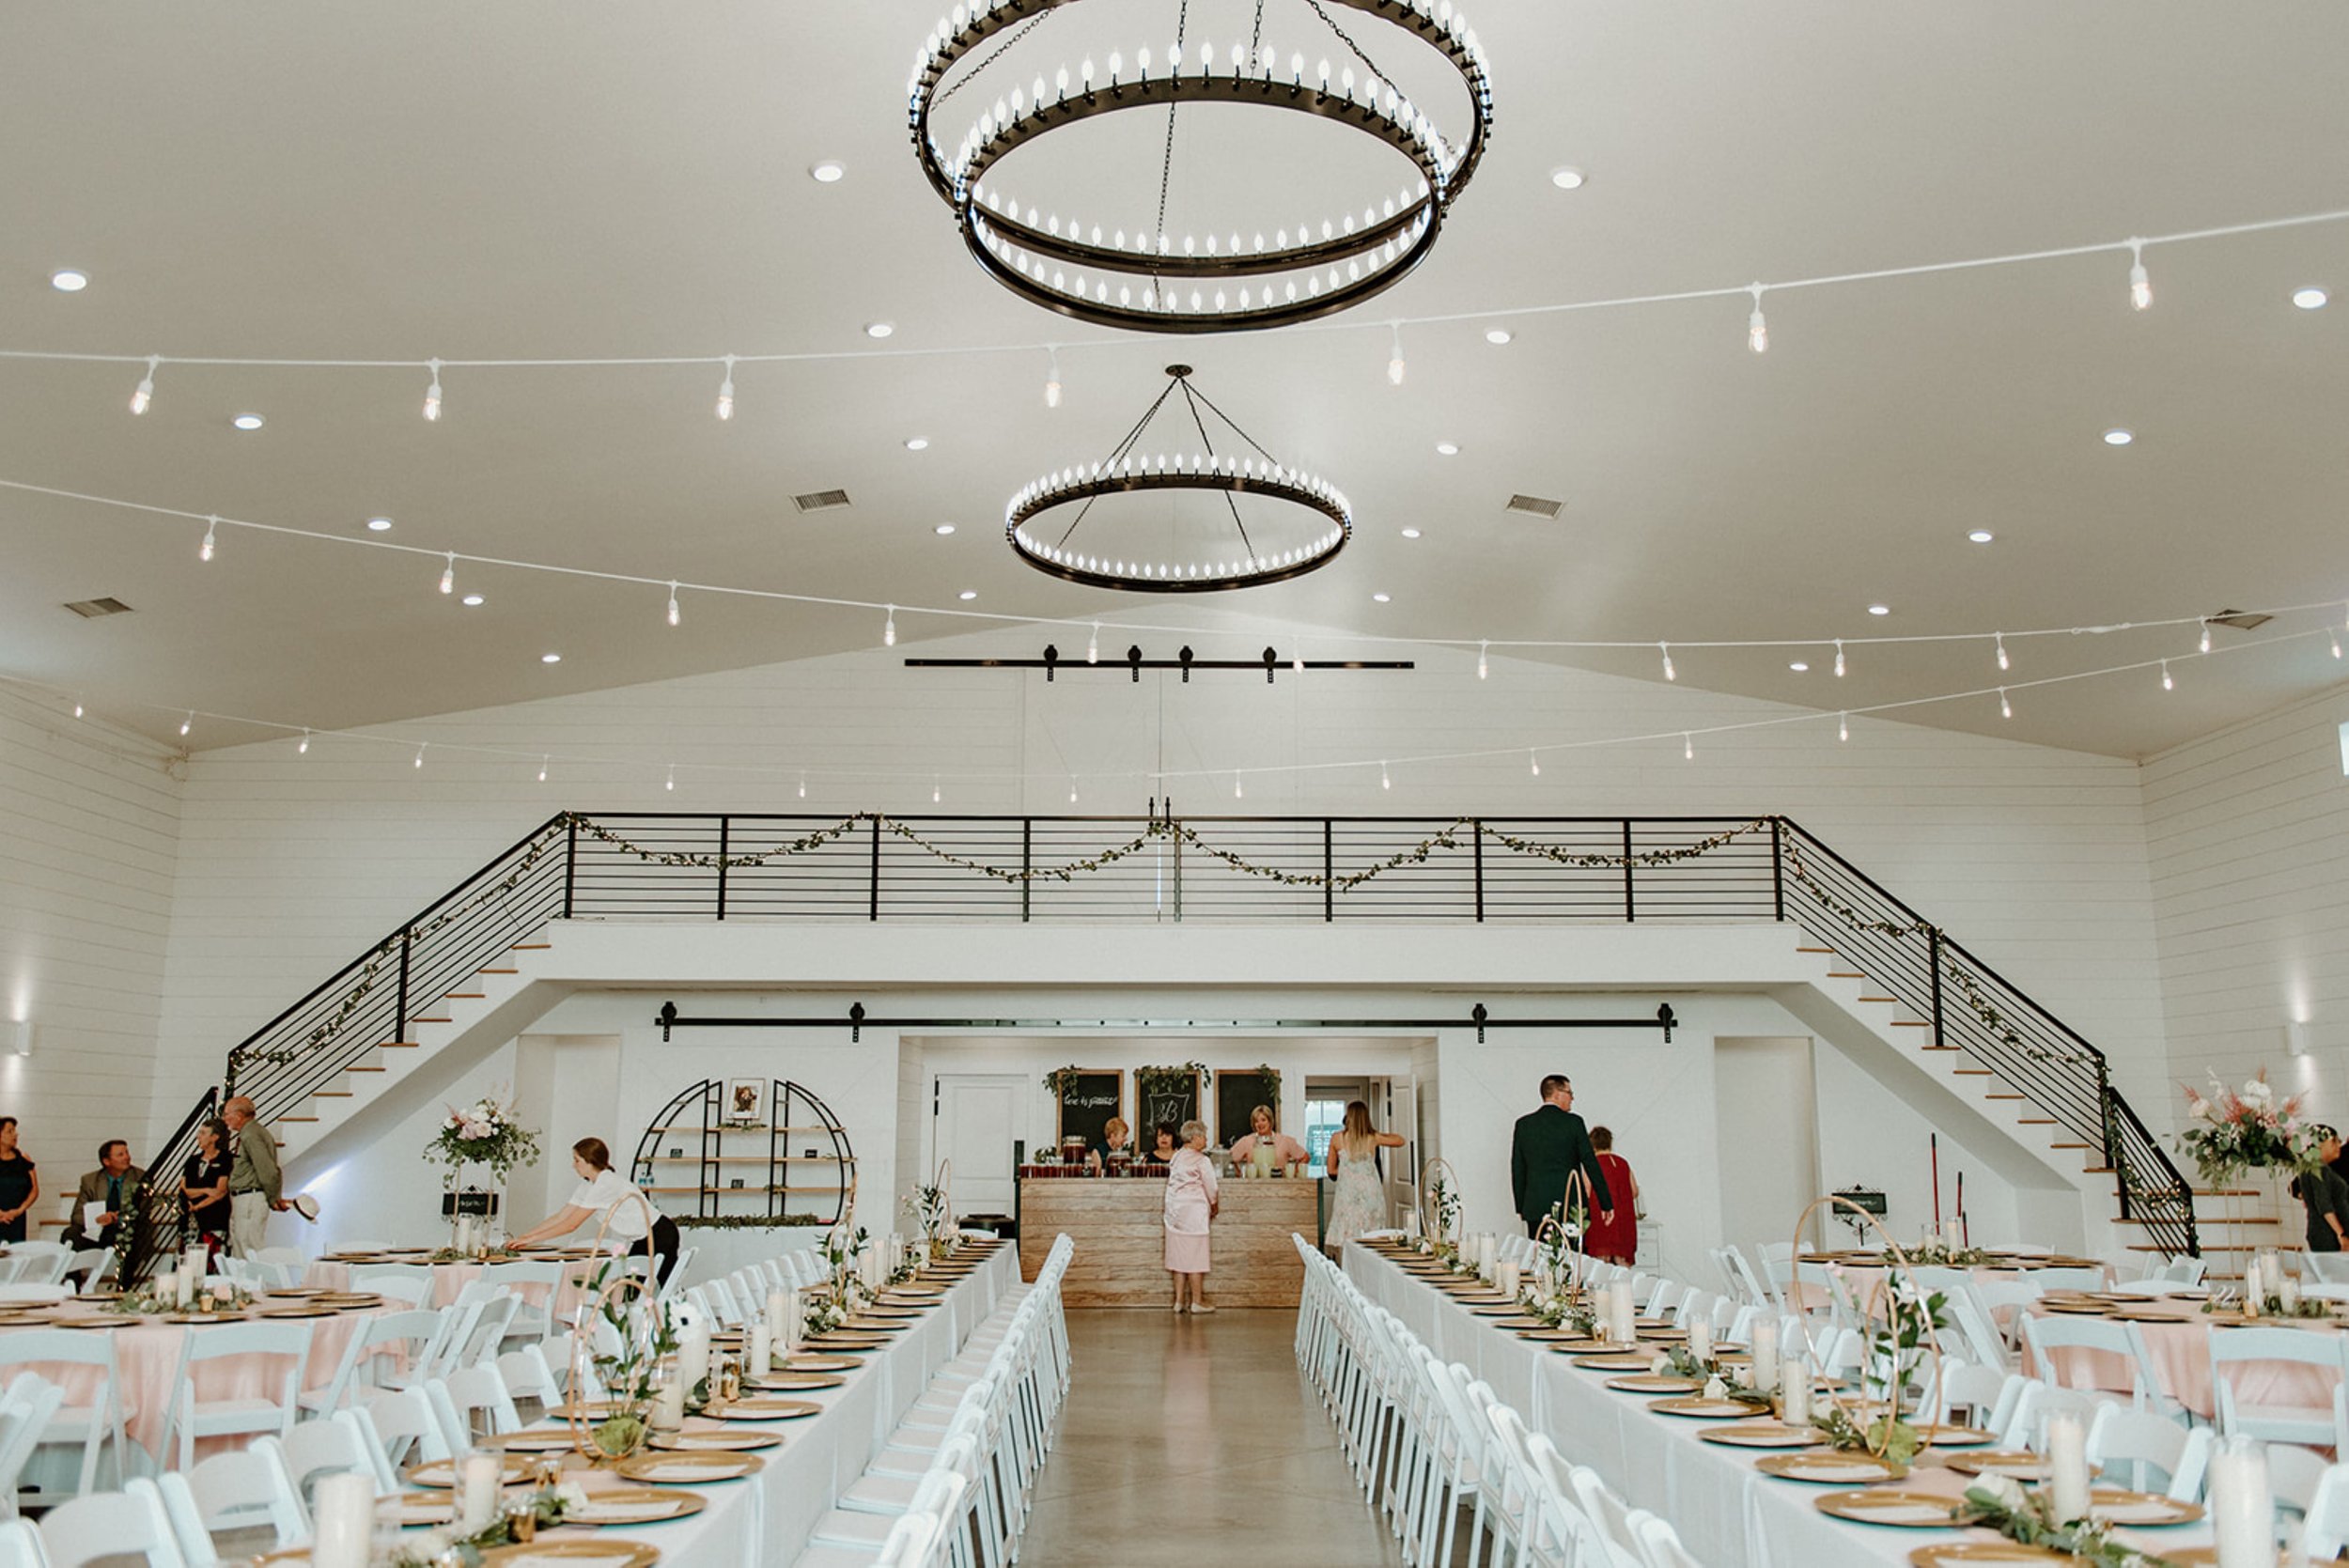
x: 1615, y: 1240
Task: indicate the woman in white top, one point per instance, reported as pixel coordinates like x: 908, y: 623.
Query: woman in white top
x: 603, y: 1190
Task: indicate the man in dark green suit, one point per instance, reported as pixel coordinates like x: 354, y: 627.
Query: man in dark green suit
x: 1549, y: 1142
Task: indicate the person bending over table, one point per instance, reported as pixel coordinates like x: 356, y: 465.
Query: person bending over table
x: 603, y: 1191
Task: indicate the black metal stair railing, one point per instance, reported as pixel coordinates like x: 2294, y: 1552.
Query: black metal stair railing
x: 868, y: 866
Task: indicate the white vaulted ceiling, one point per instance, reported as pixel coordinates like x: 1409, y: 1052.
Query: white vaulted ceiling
x: 525, y: 180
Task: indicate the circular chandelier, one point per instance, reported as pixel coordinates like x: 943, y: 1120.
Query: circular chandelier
x: 1146, y: 279
x: 1245, y: 563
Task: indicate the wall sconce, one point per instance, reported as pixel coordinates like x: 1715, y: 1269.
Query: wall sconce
x: 21, y: 1037
x: 2296, y: 1038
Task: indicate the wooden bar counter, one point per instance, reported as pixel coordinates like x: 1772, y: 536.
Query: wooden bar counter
x: 1118, y: 1224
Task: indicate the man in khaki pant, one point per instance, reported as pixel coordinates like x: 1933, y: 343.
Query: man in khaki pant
x: 253, y: 1180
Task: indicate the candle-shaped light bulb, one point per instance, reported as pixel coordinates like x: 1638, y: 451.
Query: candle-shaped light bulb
x: 1687, y: 745
x: 1839, y: 658
x: 144, y: 394
x: 2205, y: 643
x: 188, y: 722
x: 889, y: 628
x: 672, y: 780
x: 2006, y: 710
x: 1052, y: 379
x: 1534, y: 758
x: 726, y: 391
x: 1483, y: 667
x: 1236, y: 788
x: 673, y: 609
x: 2167, y: 683
x: 1093, y: 645
x: 1842, y: 726
x: 448, y: 574
x: 1384, y: 782
x: 1394, y: 358
x: 1757, y: 330
x: 935, y: 794
x: 419, y: 762
x: 2141, y: 286
x: 204, y: 550
x: 1669, y: 673
x: 432, y: 394
x: 803, y: 786
x: 542, y: 770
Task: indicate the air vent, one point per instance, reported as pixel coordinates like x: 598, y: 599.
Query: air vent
x: 2242, y: 620
x: 1534, y: 506
x: 90, y: 608
x: 821, y: 500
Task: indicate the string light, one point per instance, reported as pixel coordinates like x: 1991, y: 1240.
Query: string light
x: 419, y: 762
x: 1842, y: 726
x: 1839, y: 659
x: 448, y: 574
x: 1534, y: 758
x: 1394, y: 357
x: 1384, y: 782
x: 672, y: 780
x: 2001, y: 641
x: 145, y: 395
x: 1093, y: 645
x: 2206, y: 643
x: 204, y: 550
x: 1236, y: 788
x: 725, y: 391
x: 1072, y: 791
x: 188, y: 722
x: 1687, y: 745
x: 302, y: 748
x: 77, y: 712
x: 2006, y: 710
x: 935, y: 794
x: 542, y: 770
x: 1669, y: 673
x: 432, y: 394
x: 889, y: 628
x: 1051, y: 377
x: 673, y: 610
x: 2167, y: 683
x: 1757, y: 330
x: 2141, y: 286
x: 1482, y: 668
x: 77, y: 701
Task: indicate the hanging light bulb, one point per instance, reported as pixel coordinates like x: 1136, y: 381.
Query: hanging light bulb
x: 725, y: 391
x: 1394, y: 357
x: 302, y: 748
x: 2140, y: 286
x: 448, y: 574
x: 1093, y: 645
x: 419, y: 762
x: 1669, y: 673
x: 1687, y: 745
x: 672, y: 781
x: 204, y: 550
x: 1072, y: 791
x: 1842, y: 726
x: 77, y: 711
x: 1384, y: 782
x: 188, y: 722
x: 542, y: 770
x: 1839, y: 657
x: 1534, y: 758
x: 1051, y: 378
x: 1483, y: 667
x: 2167, y: 683
x: 432, y: 394
x: 935, y: 795
x: 1297, y: 661
x: 1236, y: 788
x: 2006, y: 710
x: 889, y: 628
x: 2002, y: 643
x: 145, y: 395
x: 77, y: 701
x: 673, y: 610
x: 2205, y: 644
x: 1757, y: 330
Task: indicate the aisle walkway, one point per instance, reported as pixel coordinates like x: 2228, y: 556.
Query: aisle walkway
x: 1193, y: 1441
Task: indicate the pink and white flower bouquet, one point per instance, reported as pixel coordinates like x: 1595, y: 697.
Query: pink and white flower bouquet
x: 2229, y: 1131
x: 483, y: 1133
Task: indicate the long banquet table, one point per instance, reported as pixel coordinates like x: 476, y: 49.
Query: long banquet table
x: 1728, y: 1514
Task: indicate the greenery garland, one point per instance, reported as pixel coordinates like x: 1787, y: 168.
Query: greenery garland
x: 1448, y: 839
x: 1624, y: 863
x: 747, y: 1222
x: 1169, y: 1080
x: 800, y: 845
x: 1269, y: 1087
x: 1845, y: 912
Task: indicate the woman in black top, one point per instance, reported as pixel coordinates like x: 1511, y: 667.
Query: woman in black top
x: 20, y: 1184
x: 206, y: 1183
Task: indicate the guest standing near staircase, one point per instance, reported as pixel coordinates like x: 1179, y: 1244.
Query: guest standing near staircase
x: 256, y: 1185
x: 20, y: 1184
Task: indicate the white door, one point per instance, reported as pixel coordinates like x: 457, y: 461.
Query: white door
x: 975, y: 1114
x: 1401, y: 1115
x: 1768, y: 1079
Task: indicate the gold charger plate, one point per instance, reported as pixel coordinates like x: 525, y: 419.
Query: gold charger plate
x: 688, y: 1469
x: 758, y: 1409
x: 1697, y: 1407
x: 350, y: 1298
x: 538, y: 1439
x: 724, y: 1441
x: 1653, y: 1383
x: 2140, y: 1510
x: 320, y: 1310
x: 793, y: 1380
x: 915, y: 1289
x: 1565, y: 1343
x: 415, y: 1508
x: 298, y: 1291
x: 1948, y: 1554
x: 819, y: 1363
x: 844, y: 1341
x: 123, y: 1321
x: 594, y: 1410
x: 2204, y: 1556
x: 202, y: 1319
x: 894, y: 1308
x: 635, y: 1505
x: 1518, y: 1320
x: 1762, y: 1434
x: 863, y: 1325
x: 1882, y: 1505
x: 1662, y: 1333
x: 1830, y: 1469
x: 1959, y: 1437
x: 2074, y: 1309
x: 2020, y: 1464
x: 512, y: 1469
x: 603, y: 1554
x: 1500, y: 1310
x: 1614, y: 1360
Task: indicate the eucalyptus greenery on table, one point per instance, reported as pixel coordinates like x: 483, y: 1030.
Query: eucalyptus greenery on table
x: 2026, y: 1516
x: 627, y: 1373
x: 148, y: 1301
x: 2309, y: 1309
x: 1933, y: 1253
x: 1678, y: 1360
x: 1884, y: 1435
x: 747, y: 1222
x: 442, y: 1545
x: 1446, y: 1202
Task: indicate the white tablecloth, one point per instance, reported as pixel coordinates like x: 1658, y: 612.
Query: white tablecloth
x: 1728, y: 1514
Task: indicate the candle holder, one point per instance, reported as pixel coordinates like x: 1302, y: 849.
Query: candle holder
x: 623, y: 1428
x: 1438, y: 1199
x: 1852, y: 1415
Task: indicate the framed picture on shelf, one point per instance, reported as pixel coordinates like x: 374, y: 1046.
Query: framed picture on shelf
x: 745, y: 1102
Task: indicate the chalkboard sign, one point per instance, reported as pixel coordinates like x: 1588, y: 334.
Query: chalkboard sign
x: 1088, y: 1102
x: 1172, y: 1107
x: 1237, y: 1092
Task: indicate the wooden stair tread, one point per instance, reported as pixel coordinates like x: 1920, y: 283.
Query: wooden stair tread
x: 1971, y: 1072
x: 2003, y: 1096
x: 465, y: 996
x: 529, y: 947
x: 367, y: 1069
x: 2034, y: 1121
x: 431, y: 1020
x: 297, y: 1118
x: 330, y: 1094
x: 1845, y: 975
x: 497, y: 971
x: 1880, y: 998
x: 1940, y: 1048
x: 1912, y: 1023
x: 2071, y: 1145
x: 400, y: 1044
x: 1814, y: 950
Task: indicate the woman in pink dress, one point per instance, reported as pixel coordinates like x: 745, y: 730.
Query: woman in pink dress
x: 1190, y: 1203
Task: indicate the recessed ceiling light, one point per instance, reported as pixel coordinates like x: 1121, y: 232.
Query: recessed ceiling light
x: 879, y: 329
x: 1982, y: 535
x: 550, y: 659
x: 2309, y: 299
x: 1448, y: 448
x: 2117, y: 436
x: 968, y: 594
x: 378, y: 525
x: 1879, y: 609
x: 472, y: 601
x: 1800, y: 667
x: 917, y: 443
x: 1378, y: 598
x: 1411, y: 532
x: 1497, y: 335
x: 829, y: 172
x: 943, y: 528
x: 69, y: 280
x: 248, y: 422
x: 1567, y: 178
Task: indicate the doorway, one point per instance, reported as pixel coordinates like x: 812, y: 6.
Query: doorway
x: 1772, y: 1177
x: 971, y: 1115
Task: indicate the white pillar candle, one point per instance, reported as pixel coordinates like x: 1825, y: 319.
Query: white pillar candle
x: 167, y: 1285
x: 2251, y: 1284
x: 2068, y: 1466
x: 1410, y: 1225
x: 476, y: 1490
x: 2242, y: 1510
x: 668, y: 1403
x: 1700, y: 1338
x: 343, y: 1508
x: 1954, y: 1234
x: 794, y: 1321
x: 183, y: 1293
x: 2288, y: 1291
x: 1794, y: 1395
x: 1765, y: 1354
x: 762, y: 1350
x: 779, y: 1317
x: 693, y: 1342
x: 1626, y: 1326
x: 1509, y: 1277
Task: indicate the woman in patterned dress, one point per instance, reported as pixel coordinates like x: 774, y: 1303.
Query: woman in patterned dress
x: 1360, y: 1204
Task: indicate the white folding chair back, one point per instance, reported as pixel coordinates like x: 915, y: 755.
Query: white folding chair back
x: 472, y: 1402
x: 100, y: 1525
x: 404, y: 1427
x: 25, y: 1410
x: 93, y: 1426
x: 2029, y: 1427
x: 2047, y: 1335
x: 40, y: 1263
x: 189, y: 1418
x: 20, y: 1546
x: 239, y: 1490
x: 2140, y: 1440
x: 2319, y: 1426
x: 2294, y: 1474
x: 2326, y: 1531
x: 1658, y: 1543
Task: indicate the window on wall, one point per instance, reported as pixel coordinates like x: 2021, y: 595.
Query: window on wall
x: 1322, y: 1119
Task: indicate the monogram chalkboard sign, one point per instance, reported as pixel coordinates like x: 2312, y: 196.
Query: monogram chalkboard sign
x: 1164, y: 1096
x: 1088, y: 1100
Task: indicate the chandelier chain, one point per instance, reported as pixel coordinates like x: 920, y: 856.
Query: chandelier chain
x: 1166, y: 164
x: 1356, y: 50
x: 1119, y: 451
x: 996, y: 53
x: 1255, y: 38
x: 1190, y: 392
x: 1230, y: 505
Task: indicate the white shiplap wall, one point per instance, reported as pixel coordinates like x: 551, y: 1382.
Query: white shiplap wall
x: 88, y: 834
x: 2247, y: 837
x: 291, y: 865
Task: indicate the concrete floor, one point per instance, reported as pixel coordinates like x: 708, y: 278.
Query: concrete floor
x: 1195, y: 1440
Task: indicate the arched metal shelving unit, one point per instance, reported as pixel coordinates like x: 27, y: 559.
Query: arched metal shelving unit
x: 795, y: 1159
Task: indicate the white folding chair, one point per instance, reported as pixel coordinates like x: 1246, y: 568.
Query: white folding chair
x: 25, y: 1410
x: 337, y: 1444
x: 2233, y: 1348
x: 2324, y: 1532
x: 1658, y: 1542
x: 472, y: 1402
x: 188, y: 1417
x: 40, y: 1263
x: 2048, y: 1335
x: 237, y: 1491
x: 2028, y: 1427
x: 20, y: 1546
x: 132, y: 1523
x: 93, y: 1426
x: 2140, y: 1439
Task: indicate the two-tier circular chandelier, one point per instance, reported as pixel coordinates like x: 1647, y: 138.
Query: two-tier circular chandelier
x: 1211, y: 279
x: 1277, y: 549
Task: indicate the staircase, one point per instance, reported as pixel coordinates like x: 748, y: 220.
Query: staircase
x: 461, y: 969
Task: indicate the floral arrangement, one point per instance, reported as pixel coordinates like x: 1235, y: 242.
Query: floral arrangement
x: 483, y: 1133
x: 1679, y: 1362
x: 443, y: 1544
x: 148, y: 1301
x: 2309, y: 1309
x: 926, y: 1207
x: 1934, y: 1252
x: 2027, y: 1517
x: 1575, y: 1317
x: 842, y: 1253
x: 628, y: 1374
x: 2233, y: 1130
x: 1446, y: 1202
